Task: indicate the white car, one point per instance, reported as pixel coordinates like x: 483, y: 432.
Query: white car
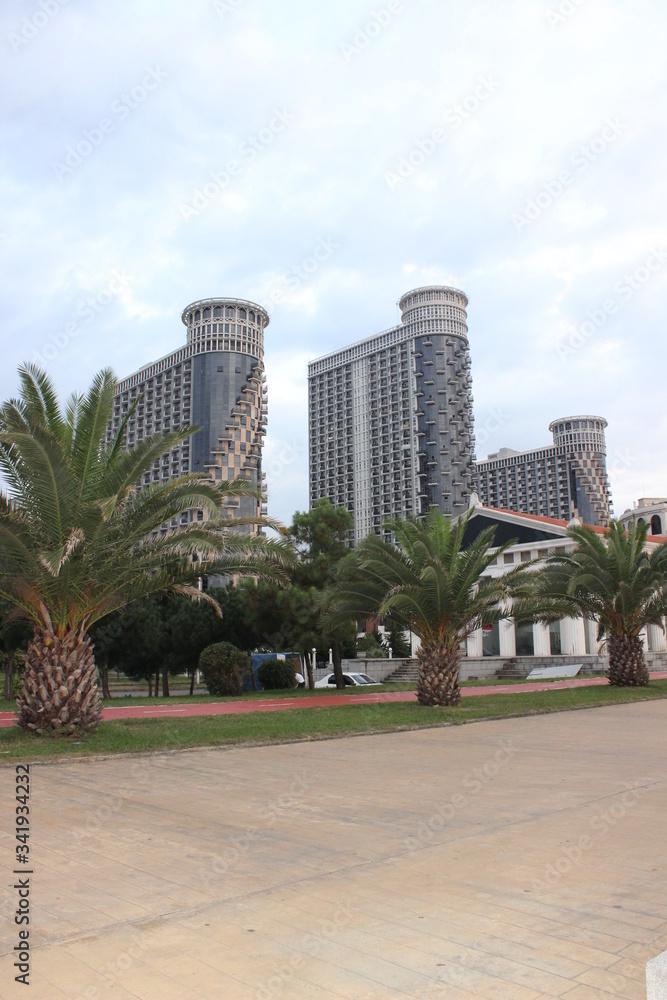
x: 351, y: 680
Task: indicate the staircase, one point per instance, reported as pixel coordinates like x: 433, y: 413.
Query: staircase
x: 406, y: 673
x: 511, y: 670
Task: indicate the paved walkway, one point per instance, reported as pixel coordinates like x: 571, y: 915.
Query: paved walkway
x: 162, y: 709
x: 520, y: 859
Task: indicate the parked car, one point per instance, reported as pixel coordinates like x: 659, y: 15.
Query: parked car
x: 351, y: 680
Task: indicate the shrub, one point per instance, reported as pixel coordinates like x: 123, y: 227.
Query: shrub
x: 371, y: 646
x: 223, y: 667
x: 276, y: 675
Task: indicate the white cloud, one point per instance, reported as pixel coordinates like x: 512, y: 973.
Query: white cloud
x: 450, y: 221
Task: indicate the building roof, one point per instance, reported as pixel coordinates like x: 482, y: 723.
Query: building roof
x: 555, y: 527
x: 546, y: 520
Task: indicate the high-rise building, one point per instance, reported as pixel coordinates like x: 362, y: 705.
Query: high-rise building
x: 390, y: 417
x: 564, y: 480
x: 215, y: 382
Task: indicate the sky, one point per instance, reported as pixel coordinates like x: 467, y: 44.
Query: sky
x: 322, y: 159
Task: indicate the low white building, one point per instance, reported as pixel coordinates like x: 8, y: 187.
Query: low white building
x: 536, y: 538
x: 651, y: 511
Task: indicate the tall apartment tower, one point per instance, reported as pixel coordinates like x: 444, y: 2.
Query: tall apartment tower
x: 216, y: 383
x: 390, y: 417
x: 564, y: 480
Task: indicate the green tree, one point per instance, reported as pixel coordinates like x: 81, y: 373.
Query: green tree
x: 191, y: 627
x: 14, y: 636
x: 79, y: 541
x: 137, y: 641
x: 428, y: 583
x: 321, y: 536
x: 611, y: 580
x: 262, y: 615
x: 396, y: 639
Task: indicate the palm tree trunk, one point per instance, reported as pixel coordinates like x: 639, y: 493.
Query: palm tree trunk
x: 337, y: 665
x: 438, y: 682
x: 309, y: 672
x: 104, y: 675
x: 627, y: 667
x: 9, y: 675
x: 60, y: 692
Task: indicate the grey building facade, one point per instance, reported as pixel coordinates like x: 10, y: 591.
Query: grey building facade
x: 390, y: 417
x: 216, y: 382
x: 564, y: 480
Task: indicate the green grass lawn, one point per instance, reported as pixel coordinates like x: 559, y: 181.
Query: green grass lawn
x: 141, y: 735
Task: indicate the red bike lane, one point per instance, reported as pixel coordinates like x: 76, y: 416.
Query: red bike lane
x: 185, y: 710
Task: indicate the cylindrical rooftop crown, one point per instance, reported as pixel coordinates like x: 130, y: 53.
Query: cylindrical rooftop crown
x: 436, y: 302
x: 580, y: 433
x: 229, y: 324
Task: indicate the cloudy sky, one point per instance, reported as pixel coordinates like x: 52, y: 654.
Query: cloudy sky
x: 154, y: 153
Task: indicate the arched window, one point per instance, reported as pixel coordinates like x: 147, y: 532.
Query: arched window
x: 229, y: 313
x: 656, y: 525
x: 207, y: 314
x: 217, y: 312
x: 197, y: 316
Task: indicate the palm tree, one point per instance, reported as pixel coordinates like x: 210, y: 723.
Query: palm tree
x: 611, y: 580
x: 430, y: 584
x: 79, y: 540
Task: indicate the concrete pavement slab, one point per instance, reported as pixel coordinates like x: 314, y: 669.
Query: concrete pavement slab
x: 518, y: 859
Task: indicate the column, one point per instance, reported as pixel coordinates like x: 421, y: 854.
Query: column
x: 591, y: 637
x: 657, y: 641
x: 573, y: 637
x: 541, y: 639
x: 475, y: 644
x: 507, y: 637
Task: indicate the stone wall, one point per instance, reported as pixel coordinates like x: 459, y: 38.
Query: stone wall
x: 377, y: 669
x: 473, y: 668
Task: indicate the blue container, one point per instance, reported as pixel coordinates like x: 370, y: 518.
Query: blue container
x: 258, y: 658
